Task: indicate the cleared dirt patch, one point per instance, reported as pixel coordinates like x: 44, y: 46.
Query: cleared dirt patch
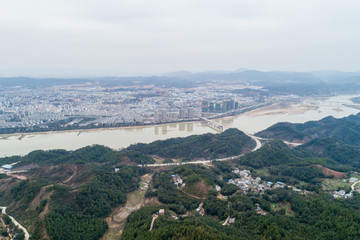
x: 7, y: 184
x: 198, y: 190
x: 117, y: 219
x: 26, y: 167
x: 43, y: 194
x: 154, y: 201
x: 20, y: 177
x: 74, y: 168
x: 69, y: 174
x: 329, y: 172
x: 202, y: 189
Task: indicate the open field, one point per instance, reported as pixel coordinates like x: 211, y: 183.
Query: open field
x: 335, y: 184
x: 262, y: 171
x: 286, y: 206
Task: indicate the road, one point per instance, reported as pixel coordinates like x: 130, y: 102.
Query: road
x: 154, y: 217
x: 255, y: 138
x: 27, y: 235
x: 258, y: 146
x: 353, y: 185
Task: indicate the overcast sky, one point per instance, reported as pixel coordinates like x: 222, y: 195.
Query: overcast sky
x: 142, y: 37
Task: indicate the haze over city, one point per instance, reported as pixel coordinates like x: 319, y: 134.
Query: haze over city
x: 102, y: 38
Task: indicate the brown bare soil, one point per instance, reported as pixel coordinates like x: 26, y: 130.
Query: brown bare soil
x: 330, y: 172
x: 117, y: 219
x: 45, y: 211
x: 126, y: 161
x: 20, y: 177
x: 43, y: 194
x: 74, y: 168
x: 202, y: 189
x: 157, y: 159
x: 26, y: 167
x: 199, y: 190
x: 154, y: 201
x: 7, y: 184
x: 69, y: 174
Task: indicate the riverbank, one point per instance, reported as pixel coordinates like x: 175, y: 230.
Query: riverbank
x: 283, y: 108
x: 310, y: 109
x: 5, y: 136
x: 21, y: 135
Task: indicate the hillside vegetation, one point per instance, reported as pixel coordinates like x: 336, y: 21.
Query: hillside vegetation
x: 67, y: 195
x: 346, y: 130
x: 289, y: 215
x: 229, y: 143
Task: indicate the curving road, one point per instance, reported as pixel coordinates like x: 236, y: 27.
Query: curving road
x: 256, y: 139
x: 353, y: 185
x: 27, y: 235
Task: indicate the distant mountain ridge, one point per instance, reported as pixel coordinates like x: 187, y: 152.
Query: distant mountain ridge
x: 189, y: 79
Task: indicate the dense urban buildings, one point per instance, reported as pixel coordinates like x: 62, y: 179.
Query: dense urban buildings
x: 93, y: 105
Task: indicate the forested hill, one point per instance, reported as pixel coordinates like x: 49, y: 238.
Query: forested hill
x: 334, y: 149
x: 91, y: 154
x: 68, y: 194
x: 276, y: 192
x: 229, y: 143
x: 346, y: 130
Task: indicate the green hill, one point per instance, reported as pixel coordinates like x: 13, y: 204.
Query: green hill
x: 334, y: 149
x: 229, y: 143
x: 68, y: 194
x: 346, y: 130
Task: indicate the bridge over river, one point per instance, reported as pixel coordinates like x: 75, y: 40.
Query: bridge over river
x: 213, y: 125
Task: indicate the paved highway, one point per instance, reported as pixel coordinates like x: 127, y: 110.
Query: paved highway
x: 258, y: 146
x: 255, y: 138
x: 16, y: 223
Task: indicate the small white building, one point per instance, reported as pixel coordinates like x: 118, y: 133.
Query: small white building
x: 7, y: 166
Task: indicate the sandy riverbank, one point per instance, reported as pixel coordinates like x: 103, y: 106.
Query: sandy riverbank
x: 289, y: 108
x: 283, y: 108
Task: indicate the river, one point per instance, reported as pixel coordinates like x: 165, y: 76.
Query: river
x: 250, y: 122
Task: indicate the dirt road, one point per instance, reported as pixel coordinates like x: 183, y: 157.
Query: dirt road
x: 27, y: 235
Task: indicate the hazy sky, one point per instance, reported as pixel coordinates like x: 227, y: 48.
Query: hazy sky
x: 140, y: 37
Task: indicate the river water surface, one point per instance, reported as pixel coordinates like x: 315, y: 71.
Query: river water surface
x: 250, y: 122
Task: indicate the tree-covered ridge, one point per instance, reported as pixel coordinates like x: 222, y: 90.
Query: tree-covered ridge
x: 190, y: 228
x: 294, y: 165
x: 72, y: 211
x: 71, y: 197
x: 328, y: 152
x: 272, y: 154
x: 90, y: 154
x: 73, y: 191
x: 229, y: 143
x: 334, y: 149
x: 346, y: 130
